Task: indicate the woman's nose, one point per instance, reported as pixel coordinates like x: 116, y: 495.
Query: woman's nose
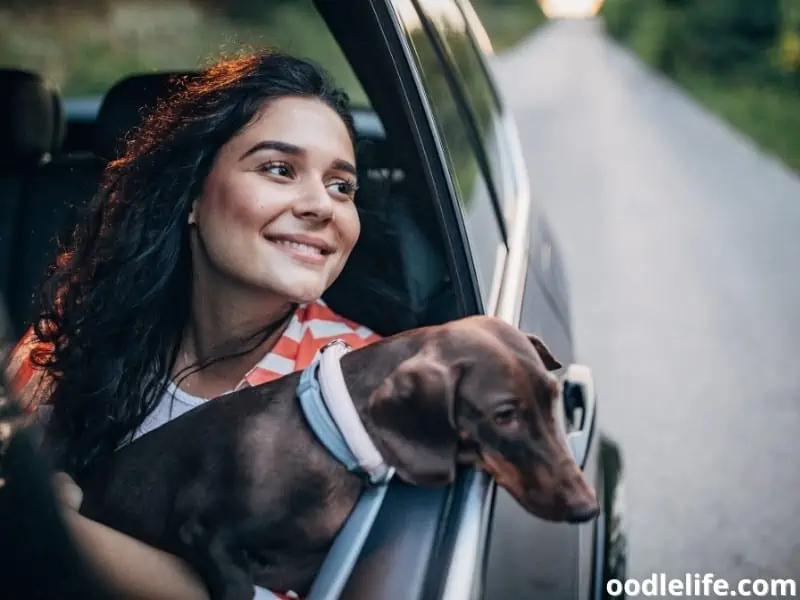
x: 314, y: 203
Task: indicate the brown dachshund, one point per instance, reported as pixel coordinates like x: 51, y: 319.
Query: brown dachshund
x: 241, y: 488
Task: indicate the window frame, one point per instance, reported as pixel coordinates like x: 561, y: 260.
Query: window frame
x: 464, y: 106
x: 410, y: 17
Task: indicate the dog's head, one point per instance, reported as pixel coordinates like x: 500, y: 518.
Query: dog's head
x: 480, y: 392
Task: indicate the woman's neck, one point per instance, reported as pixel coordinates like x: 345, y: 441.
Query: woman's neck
x: 227, y: 334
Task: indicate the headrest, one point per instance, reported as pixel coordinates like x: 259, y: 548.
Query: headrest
x: 126, y: 105
x: 31, y: 118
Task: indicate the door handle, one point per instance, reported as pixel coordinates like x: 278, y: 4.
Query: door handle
x: 580, y: 402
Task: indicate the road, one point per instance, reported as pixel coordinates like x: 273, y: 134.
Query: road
x: 682, y: 242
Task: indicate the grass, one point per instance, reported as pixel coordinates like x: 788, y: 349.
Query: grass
x: 769, y: 115
x: 760, y: 100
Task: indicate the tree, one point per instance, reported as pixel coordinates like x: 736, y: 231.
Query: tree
x: 724, y: 34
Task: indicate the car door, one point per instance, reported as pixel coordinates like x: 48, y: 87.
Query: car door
x: 469, y: 119
x: 527, y: 555
x: 428, y: 545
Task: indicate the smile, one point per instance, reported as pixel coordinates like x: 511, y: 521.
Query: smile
x: 310, y: 251
x: 300, y: 247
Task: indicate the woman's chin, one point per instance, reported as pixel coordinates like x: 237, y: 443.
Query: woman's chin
x: 300, y: 291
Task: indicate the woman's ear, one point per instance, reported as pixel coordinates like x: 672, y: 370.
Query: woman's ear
x: 192, y: 219
x: 412, y: 412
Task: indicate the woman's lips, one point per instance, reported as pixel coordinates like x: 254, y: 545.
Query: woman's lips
x: 301, y: 252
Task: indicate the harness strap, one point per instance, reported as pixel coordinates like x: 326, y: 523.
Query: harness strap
x: 318, y: 417
x: 345, y: 415
x: 322, y: 401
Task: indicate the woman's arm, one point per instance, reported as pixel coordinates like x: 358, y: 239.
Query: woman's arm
x: 133, y: 570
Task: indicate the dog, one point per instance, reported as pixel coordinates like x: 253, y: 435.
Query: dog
x: 242, y: 489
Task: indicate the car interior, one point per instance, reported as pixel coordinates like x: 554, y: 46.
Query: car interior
x: 401, y: 273
x: 53, y: 163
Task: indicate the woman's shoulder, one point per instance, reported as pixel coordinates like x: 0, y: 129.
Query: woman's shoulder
x: 316, y: 324
x: 312, y: 326
x: 321, y: 325
x: 28, y: 381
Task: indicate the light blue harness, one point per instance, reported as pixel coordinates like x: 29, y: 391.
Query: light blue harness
x: 347, y: 546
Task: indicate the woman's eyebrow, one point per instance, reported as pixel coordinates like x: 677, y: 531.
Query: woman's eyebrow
x: 284, y: 147
x: 287, y: 148
x: 343, y: 165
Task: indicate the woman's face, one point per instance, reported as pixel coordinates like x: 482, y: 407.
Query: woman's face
x: 277, y: 213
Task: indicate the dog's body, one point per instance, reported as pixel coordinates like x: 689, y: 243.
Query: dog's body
x: 241, y: 488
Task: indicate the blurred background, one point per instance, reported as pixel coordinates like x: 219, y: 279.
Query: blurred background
x: 741, y: 58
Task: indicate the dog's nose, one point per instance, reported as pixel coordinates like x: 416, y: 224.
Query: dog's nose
x: 580, y: 513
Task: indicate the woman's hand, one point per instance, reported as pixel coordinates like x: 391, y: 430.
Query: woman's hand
x: 135, y: 571
x: 68, y: 491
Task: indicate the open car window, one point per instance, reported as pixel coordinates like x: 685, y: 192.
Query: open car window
x: 398, y: 277
x: 85, y: 46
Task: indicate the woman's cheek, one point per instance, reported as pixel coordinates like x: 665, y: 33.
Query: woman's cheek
x: 351, y: 228
x: 251, y: 203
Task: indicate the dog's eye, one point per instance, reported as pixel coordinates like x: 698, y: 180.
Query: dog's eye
x: 505, y: 414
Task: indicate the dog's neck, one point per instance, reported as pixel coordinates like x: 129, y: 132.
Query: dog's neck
x: 363, y: 374
x: 431, y: 453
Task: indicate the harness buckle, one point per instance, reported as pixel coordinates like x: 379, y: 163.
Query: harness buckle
x: 336, y: 342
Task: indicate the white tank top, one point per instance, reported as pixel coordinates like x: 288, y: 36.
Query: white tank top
x: 173, y: 403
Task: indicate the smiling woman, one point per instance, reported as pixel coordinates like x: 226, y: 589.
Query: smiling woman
x: 198, y: 272
x: 277, y: 209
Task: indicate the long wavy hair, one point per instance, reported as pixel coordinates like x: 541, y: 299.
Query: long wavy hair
x: 118, y: 298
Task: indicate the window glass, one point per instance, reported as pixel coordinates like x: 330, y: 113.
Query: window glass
x: 451, y: 29
x: 483, y: 227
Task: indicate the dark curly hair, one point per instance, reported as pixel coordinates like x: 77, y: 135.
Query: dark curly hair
x: 118, y: 298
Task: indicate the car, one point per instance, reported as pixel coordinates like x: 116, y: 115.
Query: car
x: 450, y: 228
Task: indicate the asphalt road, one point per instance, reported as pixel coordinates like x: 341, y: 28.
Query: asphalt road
x: 682, y: 242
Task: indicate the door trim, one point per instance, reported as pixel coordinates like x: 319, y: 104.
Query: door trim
x: 472, y: 530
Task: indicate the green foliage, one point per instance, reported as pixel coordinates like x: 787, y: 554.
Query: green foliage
x: 507, y: 22
x: 723, y: 34
x: 720, y: 35
x: 87, y: 46
x: 84, y: 46
x: 622, y: 16
x: 739, y: 57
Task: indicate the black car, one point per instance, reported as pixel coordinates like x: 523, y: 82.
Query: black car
x: 449, y: 229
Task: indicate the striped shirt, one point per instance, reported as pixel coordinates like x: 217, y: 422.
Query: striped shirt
x: 311, y: 327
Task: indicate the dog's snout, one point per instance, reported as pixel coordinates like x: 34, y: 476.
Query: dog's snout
x: 580, y: 513
x: 581, y: 503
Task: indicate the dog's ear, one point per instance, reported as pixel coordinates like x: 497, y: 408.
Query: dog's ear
x: 550, y: 361
x: 413, y: 411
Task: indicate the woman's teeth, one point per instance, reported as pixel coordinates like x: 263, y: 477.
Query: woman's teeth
x: 300, y: 247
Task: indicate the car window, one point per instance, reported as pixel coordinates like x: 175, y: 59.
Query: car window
x: 484, y: 231
x: 85, y: 47
x: 451, y: 29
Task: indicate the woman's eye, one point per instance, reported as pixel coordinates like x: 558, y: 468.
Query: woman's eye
x: 279, y: 169
x: 344, y: 188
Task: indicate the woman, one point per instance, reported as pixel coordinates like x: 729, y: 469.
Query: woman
x: 199, y: 271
